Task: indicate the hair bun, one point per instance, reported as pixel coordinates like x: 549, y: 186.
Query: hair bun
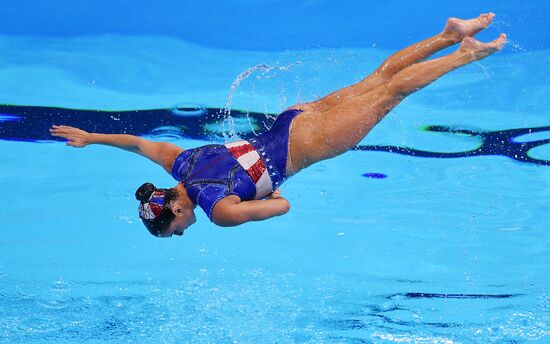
x: 144, y: 192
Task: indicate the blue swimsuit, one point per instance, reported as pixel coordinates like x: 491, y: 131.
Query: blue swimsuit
x: 249, y: 169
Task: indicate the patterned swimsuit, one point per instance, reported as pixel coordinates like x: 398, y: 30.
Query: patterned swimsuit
x: 249, y: 169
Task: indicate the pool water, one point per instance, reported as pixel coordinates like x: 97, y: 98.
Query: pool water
x: 435, y: 230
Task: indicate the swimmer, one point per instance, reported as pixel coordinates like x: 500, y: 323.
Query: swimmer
x: 239, y: 181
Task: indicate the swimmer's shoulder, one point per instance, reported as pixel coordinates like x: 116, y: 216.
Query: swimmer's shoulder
x: 170, y: 153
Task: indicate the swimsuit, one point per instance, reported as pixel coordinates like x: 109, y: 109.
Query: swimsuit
x: 250, y: 169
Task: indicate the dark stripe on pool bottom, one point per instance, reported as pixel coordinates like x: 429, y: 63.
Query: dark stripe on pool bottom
x: 33, y: 123
x: 458, y: 296
x: 499, y: 142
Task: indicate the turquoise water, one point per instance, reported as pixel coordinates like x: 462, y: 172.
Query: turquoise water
x: 439, y: 251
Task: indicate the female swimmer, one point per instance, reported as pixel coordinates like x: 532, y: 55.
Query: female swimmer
x: 238, y: 182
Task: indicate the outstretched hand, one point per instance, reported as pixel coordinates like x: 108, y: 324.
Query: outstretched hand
x: 75, y: 137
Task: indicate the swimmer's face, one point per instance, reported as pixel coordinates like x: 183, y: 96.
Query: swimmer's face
x: 185, y: 217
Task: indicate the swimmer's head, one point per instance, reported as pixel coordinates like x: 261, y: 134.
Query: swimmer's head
x: 163, y: 211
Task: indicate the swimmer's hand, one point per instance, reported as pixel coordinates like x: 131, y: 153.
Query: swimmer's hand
x: 75, y: 137
x: 162, y: 153
x: 275, y: 194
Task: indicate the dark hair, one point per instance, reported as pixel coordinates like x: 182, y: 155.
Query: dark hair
x: 164, y: 219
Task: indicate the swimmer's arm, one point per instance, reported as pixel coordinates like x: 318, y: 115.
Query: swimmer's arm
x: 162, y: 153
x: 230, y: 211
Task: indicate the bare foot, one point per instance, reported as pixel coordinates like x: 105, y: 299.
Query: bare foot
x: 457, y: 29
x: 479, y: 49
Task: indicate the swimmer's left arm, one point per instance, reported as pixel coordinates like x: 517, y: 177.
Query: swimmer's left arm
x: 230, y: 211
x: 162, y: 153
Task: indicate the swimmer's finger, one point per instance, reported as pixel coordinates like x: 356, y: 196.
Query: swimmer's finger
x: 64, y: 127
x: 74, y: 144
x: 58, y: 133
x: 57, y: 129
x: 61, y: 128
x: 275, y: 194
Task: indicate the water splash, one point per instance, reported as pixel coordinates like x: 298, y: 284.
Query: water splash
x: 264, y: 69
x: 516, y: 46
x: 504, y: 24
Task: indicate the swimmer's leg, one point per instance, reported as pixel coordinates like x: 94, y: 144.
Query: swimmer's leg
x: 455, y: 30
x: 316, y: 136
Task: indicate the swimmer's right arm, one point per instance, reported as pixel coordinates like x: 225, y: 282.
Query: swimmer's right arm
x: 231, y: 211
x: 162, y: 153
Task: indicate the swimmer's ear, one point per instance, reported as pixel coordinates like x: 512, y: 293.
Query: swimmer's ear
x: 177, y: 209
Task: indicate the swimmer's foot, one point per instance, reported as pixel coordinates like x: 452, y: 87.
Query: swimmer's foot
x: 458, y: 29
x: 479, y: 50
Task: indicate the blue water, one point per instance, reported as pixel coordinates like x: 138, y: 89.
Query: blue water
x: 440, y: 250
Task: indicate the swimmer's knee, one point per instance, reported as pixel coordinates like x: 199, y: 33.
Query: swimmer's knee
x: 378, y: 78
x: 396, y: 90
